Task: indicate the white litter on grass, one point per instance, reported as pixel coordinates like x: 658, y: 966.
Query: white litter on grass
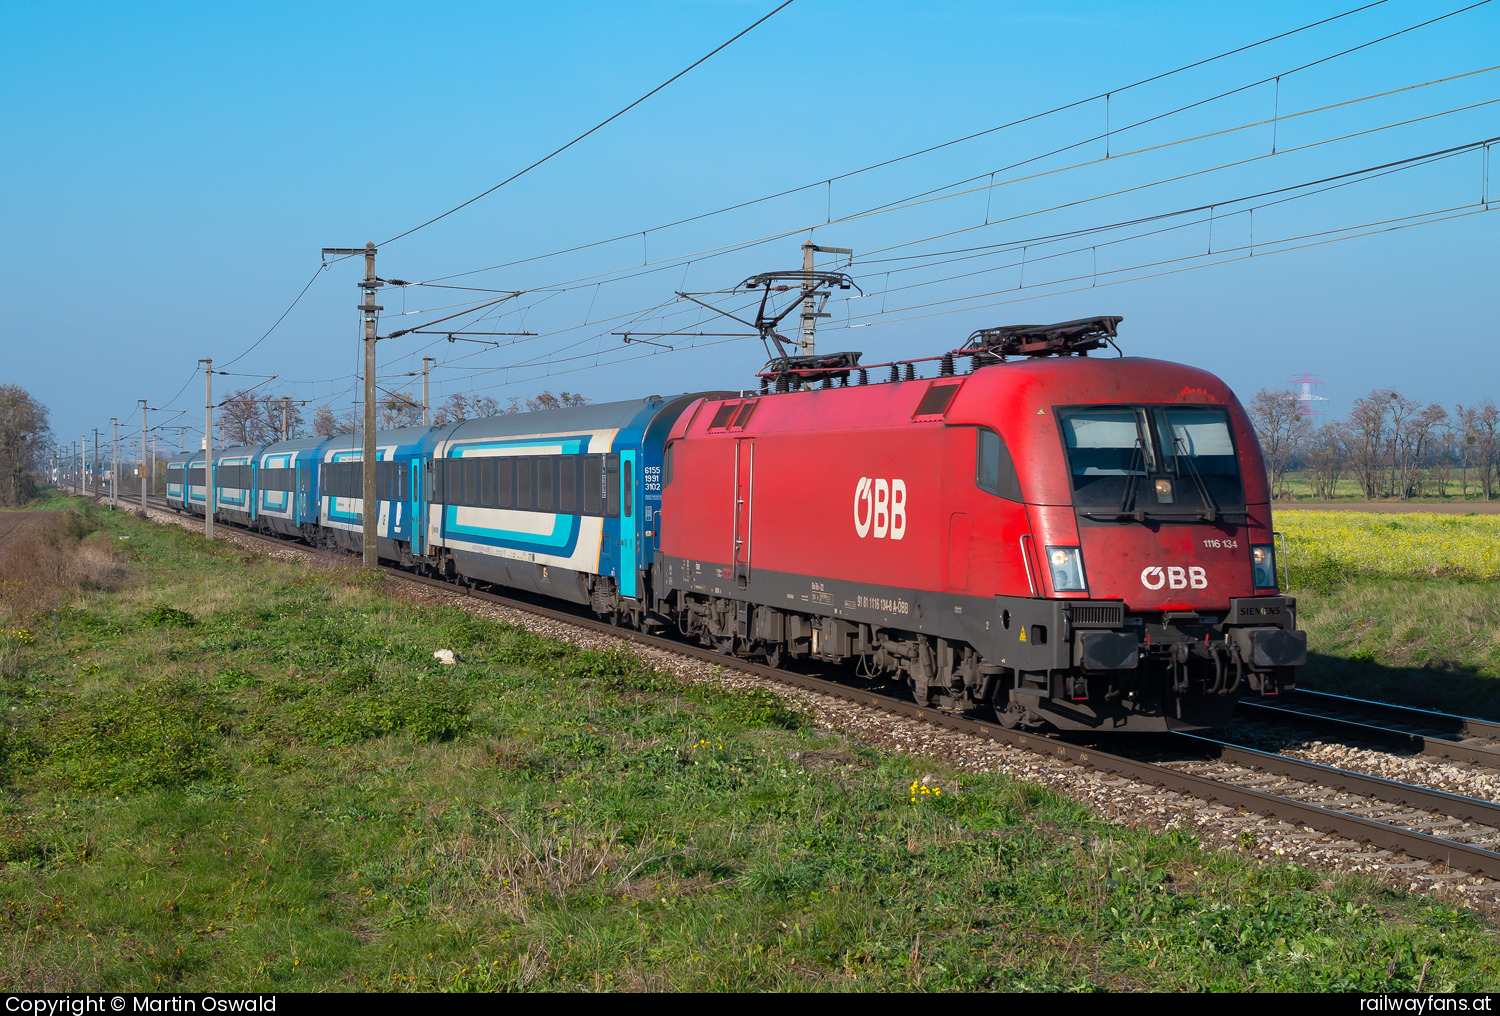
x: 444, y: 656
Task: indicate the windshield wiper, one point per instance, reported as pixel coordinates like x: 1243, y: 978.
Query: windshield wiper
x: 1210, y: 511
x: 1126, y: 511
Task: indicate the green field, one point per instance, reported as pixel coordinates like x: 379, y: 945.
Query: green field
x: 223, y: 773
x: 1348, y: 489
x: 1402, y: 608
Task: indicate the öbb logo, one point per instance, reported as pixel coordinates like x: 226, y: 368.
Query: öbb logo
x: 880, y: 505
x: 1174, y: 577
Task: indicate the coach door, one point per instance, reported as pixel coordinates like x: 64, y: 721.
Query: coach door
x: 628, y: 509
x: 744, y: 491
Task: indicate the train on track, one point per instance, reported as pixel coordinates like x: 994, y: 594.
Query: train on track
x: 1075, y: 541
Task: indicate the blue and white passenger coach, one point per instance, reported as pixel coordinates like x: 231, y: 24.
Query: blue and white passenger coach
x: 340, y: 490
x: 286, y: 487
x: 234, y: 477
x: 562, y: 502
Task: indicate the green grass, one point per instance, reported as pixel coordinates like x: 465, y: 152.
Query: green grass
x: 232, y: 773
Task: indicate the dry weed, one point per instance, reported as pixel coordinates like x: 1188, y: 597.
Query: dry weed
x: 40, y: 569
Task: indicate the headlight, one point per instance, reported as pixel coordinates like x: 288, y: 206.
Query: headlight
x: 1263, y: 558
x: 1066, y: 564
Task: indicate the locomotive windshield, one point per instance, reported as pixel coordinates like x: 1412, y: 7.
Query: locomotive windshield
x: 1162, y: 461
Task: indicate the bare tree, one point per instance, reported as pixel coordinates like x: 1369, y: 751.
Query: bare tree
x: 242, y: 421
x: 326, y: 423
x: 1281, y: 427
x: 1487, y: 434
x: 399, y: 409
x: 25, y: 440
x: 562, y: 400
x: 1442, y: 454
x: 1369, y: 437
x: 460, y: 407
x: 272, y: 407
x: 1412, y: 429
x: 1327, y: 450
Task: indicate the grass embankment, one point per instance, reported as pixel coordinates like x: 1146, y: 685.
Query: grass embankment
x: 222, y: 772
x: 1403, y: 608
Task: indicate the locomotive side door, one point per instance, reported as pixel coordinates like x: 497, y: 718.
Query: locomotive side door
x: 744, y: 511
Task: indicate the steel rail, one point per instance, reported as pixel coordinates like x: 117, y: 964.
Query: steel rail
x: 1430, y: 719
x: 1378, y: 787
x: 1452, y: 853
x: 1423, y: 744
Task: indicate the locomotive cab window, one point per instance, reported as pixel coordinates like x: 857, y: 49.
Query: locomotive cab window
x: 1168, y: 460
x: 994, y: 470
x: 1198, y: 449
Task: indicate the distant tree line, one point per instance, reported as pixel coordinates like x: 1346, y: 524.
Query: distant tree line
x: 1392, y: 446
x: 402, y: 409
x: 245, y: 418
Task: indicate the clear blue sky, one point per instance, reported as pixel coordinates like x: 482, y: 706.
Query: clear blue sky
x: 171, y: 171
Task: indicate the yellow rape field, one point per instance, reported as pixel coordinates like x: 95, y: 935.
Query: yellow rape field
x: 1406, y: 544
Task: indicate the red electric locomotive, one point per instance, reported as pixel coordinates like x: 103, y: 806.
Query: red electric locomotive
x: 1077, y: 541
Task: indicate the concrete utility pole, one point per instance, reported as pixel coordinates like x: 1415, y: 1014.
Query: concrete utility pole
x: 96, y: 460
x: 426, y: 405
x: 369, y: 506
x: 143, y: 456
x: 285, y: 405
x: 811, y: 312
x: 208, y: 449
x: 83, y: 443
x: 114, y: 473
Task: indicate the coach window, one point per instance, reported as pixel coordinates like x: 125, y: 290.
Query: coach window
x: 523, y: 481
x: 546, y: 479
x: 993, y: 469
x: 487, y: 483
x: 612, y: 486
x: 567, y: 485
x: 591, y: 485
x: 627, y: 489
x: 505, y: 480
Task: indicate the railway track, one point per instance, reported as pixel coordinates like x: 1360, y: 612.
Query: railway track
x: 1459, y: 832
x: 1440, y: 735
